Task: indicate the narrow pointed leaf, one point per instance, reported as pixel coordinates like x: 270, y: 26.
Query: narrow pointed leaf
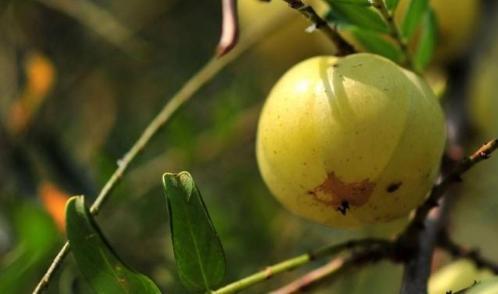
x: 358, y: 13
x: 413, y: 16
x: 427, y: 41
x: 377, y: 44
x: 96, y: 260
x: 392, y: 4
x: 199, y: 255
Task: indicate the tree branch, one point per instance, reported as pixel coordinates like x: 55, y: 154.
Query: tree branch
x: 342, y: 46
x: 417, y: 242
x: 458, y: 251
x: 335, y: 267
x: 196, y: 82
x: 484, y: 152
x: 298, y: 261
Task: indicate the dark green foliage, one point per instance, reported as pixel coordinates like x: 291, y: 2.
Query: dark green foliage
x: 98, y: 263
x: 199, y: 255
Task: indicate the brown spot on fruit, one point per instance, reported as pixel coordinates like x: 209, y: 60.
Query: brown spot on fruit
x: 393, y: 187
x: 341, y: 195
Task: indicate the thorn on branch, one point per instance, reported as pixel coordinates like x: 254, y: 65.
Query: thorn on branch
x: 485, y: 151
x: 229, y: 28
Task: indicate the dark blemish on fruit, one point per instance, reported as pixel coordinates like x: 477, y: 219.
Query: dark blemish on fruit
x: 335, y: 65
x: 343, y: 207
x: 335, y: 192
x: 393, y: 187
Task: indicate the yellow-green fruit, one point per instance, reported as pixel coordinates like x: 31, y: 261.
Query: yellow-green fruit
x: 487, y: 287
x: 350, y: 141
x: 483, y: 94
x: 289, y: 42
x: 456, y: 276
x: 456, y: 23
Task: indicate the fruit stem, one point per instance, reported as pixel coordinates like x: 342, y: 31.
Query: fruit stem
x: 395, y: 32
x: 342, y: 46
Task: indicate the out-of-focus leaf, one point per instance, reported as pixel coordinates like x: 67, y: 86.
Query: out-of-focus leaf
x: 198, y: 251
x: 377, y: 44
x: 413, y: 16
x: 40, y: 79
x: 54, y: 201
x: 392, y: 4
x: 427, y: 41
x: 100, y: 266
x: 356, y: 12
x: 352, y: 2
x: 37, y: 237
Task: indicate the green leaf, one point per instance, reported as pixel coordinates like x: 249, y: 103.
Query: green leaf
x: 100, y: 266
x: 357, y: 13
x: 413, y: 16
x: 199, y: 255
x: 377, y: 44
x: 427, y: 41
x: 391, y: 4
x: 352, y: 2
x: 37, y: 237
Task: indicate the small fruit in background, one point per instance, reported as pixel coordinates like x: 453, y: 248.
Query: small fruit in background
x: 483, y: 100
x: 350, y: 141
x: 289, y: 43
x: 457, y: 22
x: 456, y: 276
x: 489, y: 286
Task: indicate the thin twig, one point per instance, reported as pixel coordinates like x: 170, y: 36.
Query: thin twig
x: 342, y: 46
x: 413, y: 247
x: 297, y: 261
x: 335, y: 267
x: 395, y: 32
x: 204, y: 75
x: 417, y: 242
x: 484, y: 152
x: 332, y: 267
x: 458, y: 251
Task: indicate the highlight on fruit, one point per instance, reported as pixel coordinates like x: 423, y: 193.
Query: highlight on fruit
x: 350, y: 141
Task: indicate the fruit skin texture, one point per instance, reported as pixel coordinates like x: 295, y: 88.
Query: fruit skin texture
x: 357, y: 134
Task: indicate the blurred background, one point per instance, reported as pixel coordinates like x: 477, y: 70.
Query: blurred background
x: 81, y: 79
